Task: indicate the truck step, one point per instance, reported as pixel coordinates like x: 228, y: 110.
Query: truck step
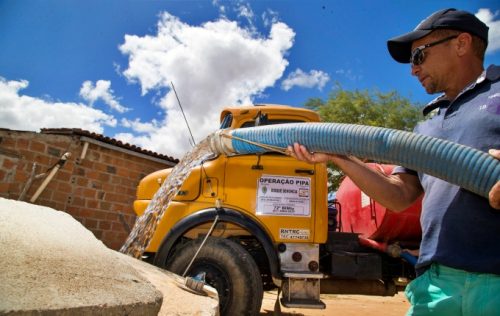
x: 302, y: 303
x: 303, y: 275
x: 302, y: 290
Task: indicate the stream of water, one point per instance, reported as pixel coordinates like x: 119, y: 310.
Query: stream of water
x: 145, y: 225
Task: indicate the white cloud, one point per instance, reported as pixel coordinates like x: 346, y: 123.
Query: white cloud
x: 349, y: 74
x: 244, y: 10
x: 270, y: 17
x: 140, y: 127
x: 218, y: 5
x: 488, y: 18
x: 212, y: 65
x: 101, y: 91
x: 23, y: 112
x: 315, y: 78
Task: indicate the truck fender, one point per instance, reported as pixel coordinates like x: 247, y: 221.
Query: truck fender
x: 225, y: 215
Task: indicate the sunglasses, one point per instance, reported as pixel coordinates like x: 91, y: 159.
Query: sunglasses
x: 418, y: 56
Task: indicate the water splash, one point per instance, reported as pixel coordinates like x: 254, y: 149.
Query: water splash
x: 145, y: 226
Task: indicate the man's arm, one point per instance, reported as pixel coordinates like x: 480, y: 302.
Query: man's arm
x: 494, y: 195
x: 396, y: 192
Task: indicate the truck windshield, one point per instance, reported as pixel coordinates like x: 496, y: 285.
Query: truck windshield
x: 226, y: 121
x: 270, y: 122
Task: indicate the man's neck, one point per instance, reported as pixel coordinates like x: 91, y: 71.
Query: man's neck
x: 463, y: 80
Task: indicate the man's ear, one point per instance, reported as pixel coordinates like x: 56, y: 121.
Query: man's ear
x: 464, y: 44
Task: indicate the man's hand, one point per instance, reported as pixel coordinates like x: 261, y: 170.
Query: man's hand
x: 300, y: 152
x: 494, y: 195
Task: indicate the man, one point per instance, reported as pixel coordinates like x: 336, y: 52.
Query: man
x: 459, y: 263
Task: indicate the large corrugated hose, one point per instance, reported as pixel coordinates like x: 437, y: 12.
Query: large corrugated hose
x: 464, y: 166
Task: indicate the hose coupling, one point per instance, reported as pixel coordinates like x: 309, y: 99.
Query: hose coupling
x: 220, y: 143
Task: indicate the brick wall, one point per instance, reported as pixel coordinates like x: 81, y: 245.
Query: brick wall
x: 98, y: 190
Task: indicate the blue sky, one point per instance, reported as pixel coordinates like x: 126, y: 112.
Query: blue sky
x: 106, y: 66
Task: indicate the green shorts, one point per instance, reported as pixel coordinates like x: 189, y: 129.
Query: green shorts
x: 446, y: 291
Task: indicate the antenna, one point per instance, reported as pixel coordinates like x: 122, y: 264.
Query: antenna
x: 182, y: 110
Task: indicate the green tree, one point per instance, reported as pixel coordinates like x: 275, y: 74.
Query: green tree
x: 363, y: 107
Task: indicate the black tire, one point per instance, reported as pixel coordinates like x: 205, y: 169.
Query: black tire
x: 229, y: 268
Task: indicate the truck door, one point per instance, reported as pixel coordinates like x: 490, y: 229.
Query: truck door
x: 282, y: 193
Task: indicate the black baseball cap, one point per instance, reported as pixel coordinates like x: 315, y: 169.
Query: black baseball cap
x: 400, y: 46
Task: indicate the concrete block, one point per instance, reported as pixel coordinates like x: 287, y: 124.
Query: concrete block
x: 51, y: 265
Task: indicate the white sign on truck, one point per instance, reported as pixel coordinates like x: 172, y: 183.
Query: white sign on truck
x: 283, y: 195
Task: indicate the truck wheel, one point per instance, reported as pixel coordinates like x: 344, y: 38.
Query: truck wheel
x: 229, y: 268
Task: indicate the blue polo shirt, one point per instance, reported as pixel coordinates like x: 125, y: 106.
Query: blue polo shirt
x: 459, y: 228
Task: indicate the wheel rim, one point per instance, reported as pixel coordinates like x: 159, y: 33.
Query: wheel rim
x: 216, y: 277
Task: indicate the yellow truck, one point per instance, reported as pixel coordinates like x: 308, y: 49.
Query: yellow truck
x: 275, y: 228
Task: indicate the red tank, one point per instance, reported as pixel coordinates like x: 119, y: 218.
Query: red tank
x: 361, y: 214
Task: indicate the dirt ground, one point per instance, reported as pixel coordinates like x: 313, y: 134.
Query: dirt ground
x: 345, y: 305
